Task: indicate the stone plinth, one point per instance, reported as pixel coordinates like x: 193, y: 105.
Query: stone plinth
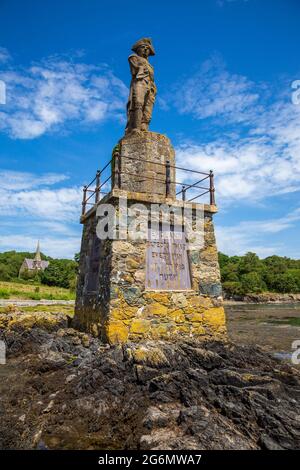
x: 113, y: 301
x: 143, y: 157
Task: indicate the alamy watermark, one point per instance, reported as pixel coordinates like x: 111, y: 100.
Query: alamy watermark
x: 296, y: 354
x: 2, y: 92
x: 138, y: 222
x: 2, y: 352
x: 296, y: 94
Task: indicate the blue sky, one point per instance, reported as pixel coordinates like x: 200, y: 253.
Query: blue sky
x: 224, y: 71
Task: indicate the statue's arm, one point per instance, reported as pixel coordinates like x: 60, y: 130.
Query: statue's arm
x: 136, y: 67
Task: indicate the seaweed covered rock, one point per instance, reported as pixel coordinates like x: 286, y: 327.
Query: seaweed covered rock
x: 64, y: 389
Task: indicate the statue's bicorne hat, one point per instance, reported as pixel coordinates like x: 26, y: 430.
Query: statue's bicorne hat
x: 142, y: 42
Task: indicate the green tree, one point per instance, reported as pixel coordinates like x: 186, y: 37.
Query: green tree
x: 285, y: 283
x: 252, y: 283
x: 223, y: 259
x: 249, y: 263
x: 60, y: 272
x: 233, y: 288
x: 276, y: 264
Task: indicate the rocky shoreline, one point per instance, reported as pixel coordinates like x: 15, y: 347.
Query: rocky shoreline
x: 263, y: 298
x: 62, y: 389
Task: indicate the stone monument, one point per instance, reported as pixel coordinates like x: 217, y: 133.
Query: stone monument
x: 158, y: 285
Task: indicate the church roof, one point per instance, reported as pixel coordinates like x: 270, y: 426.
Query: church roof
x: 33, y: 264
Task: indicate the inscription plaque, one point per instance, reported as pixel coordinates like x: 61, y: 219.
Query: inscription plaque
x: 167, y: 263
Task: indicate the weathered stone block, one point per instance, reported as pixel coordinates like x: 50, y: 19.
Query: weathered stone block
x: 139, y: 326
x: 116, y: 332
x: 156, y: 309
x: 142, y: 160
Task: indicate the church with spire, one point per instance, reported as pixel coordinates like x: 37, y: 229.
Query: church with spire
x: 35, y: 265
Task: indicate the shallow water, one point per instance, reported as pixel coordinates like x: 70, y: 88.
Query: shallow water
x: 272, y: 326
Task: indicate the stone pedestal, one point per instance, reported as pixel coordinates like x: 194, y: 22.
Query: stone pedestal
x: 122, y: 295
x: 143, y: 158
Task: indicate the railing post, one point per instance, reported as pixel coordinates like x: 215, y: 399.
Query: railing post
x: 117, y: 171
x: 97, y: 189
x: 168, y: 178
x: 84, y: 200
x: 183, y: 192
x: 212, y: 188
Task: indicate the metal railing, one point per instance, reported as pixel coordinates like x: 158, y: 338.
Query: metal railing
x: 93, y: 196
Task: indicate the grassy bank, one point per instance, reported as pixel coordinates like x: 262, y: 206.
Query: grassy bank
x: 65, y: 309
x: 20, y: 291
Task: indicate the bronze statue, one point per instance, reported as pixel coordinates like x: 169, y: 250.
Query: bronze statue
x: 142, y: 88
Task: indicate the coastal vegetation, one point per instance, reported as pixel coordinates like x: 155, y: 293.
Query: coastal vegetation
x: 240, y: 275
x: 60, y: 272
x: 249, y: 274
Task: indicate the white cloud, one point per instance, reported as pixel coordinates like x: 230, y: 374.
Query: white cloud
x: 38, y: 207
x: 31, y: 194
x: 56, y: 247
x: 248, y: 169
x: 252, y: 235
x: 213, y: 91
x: 256, y: 154
x: 52, y: 204
x: 260, y: 156
x: 55, y: 93
x: 15, y: 180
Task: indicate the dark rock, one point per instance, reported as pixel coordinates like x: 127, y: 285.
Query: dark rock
x: 180, y: 395
x: 266, y: 442
x: 145, y: 374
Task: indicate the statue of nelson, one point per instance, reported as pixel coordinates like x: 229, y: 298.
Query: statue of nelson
x: 142, y: 88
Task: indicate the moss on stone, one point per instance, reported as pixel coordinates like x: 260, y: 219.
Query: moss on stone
x: 160, y: 297
x: 116, y: 332
x: 139, y: 326
x: 151, y: 357
x: 156, y: 309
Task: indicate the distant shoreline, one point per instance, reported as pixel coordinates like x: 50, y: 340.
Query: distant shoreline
x: 264, y: 298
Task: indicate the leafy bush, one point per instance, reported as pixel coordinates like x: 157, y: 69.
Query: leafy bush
x: 285, y: 283
x: 60, y: 272
x: 252, y: 282
x: 233, y: 288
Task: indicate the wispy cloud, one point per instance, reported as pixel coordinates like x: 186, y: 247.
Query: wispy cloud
x: 31, y: 194
x: 56, y: 93
x: 213, y: 92
x: 39, y: 207
x: 52, y: 204
x: 258, y: 154
x: 252, y: 235
x: 64, y: 247
x: 15, y: 180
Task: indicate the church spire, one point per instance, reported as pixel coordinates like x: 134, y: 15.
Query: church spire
x: 37, y: 256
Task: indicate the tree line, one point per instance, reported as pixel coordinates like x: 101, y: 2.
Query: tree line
x: 59, y: 273
x: 240, y: 275
x: 247, y: 274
